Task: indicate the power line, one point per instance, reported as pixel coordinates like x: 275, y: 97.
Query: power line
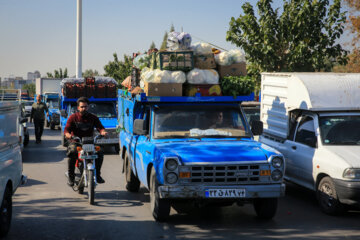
x: 209, y: 43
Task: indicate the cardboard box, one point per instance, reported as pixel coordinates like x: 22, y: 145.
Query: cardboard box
x: 163, y: 89
x: 205, y: 61
x: 236, y: 69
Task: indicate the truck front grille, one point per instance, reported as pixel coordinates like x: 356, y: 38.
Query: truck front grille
x: 231, y: 174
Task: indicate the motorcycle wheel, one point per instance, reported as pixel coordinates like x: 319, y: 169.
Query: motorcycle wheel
x: 91, y: 187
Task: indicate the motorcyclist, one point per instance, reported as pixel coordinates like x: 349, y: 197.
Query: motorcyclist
x: 82, y: 124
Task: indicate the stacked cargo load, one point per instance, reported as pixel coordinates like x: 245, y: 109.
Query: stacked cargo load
x: 184, y: 69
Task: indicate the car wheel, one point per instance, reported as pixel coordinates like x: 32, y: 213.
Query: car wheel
x: 26, y: 139
x: 265, y: 208
x: 5, y: 213
x: 132, y: 182
x: 160, y: 208
x: 327, y: 197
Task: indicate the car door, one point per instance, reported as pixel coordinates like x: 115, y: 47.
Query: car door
x: 301, y: 150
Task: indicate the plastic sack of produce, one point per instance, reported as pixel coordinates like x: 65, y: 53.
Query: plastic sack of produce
x: 159, y: 76
x: 105, y: 80
x: 201, y: 48
x: 178, y: 41
x: 127, y: 82
x: 141, y: 61
x: 230, y: 57
x: 203, y: 76
x: 71, y: 80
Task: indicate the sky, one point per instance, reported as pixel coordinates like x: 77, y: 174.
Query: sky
x: 41, y: 34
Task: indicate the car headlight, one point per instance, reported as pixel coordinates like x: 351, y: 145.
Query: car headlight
x: 277, y: 162
x: 276, y: 175
x: 352, y: 173
x: 171, y: 164
x: 171, y: 178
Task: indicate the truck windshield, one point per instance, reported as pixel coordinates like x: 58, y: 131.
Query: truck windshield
x: 340, y: 130
x: 199, y: 121
x: 102, y: 110
x: 53, y: 103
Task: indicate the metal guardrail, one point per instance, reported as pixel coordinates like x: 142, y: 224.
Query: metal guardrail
x: 10, y: 94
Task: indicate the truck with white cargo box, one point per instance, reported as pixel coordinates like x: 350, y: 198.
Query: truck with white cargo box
x: 43, y: 85
x: 10, y: 156
x: 313, y: 119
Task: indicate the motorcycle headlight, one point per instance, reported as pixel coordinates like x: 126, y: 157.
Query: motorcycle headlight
x: 276, y: 175
x: 171, y: 178
x: 352, y: 173
x: 171, y: 164
x: 277, y: 162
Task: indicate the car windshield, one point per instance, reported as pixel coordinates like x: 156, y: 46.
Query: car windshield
x: 340, y: 130
x: 102, y: 110
x: 199, y: 121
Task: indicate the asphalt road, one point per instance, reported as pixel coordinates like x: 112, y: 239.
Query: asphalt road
x: 46, y: 208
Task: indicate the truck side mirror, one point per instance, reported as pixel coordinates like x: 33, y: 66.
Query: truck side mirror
x: 63, y: 113
x: 257, y: 127
x: 140, y: 127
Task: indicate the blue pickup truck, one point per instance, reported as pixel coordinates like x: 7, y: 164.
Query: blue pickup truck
x: 196, y: 150
x: 52, y: 101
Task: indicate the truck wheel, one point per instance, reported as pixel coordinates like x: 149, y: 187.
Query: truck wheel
x: 132, y: 182
x: 5, y: 213
x: 26, y: 140
x: 117, y: 148
x: 160, y: 208
x: 265, y: 208
x: 327, y: 197
x: 52, y: 126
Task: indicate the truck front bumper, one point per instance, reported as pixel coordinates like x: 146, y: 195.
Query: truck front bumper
x: 348, y: 192
x: 251, y: 191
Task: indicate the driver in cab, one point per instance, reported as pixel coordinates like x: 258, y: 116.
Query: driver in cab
x: 81, y: 124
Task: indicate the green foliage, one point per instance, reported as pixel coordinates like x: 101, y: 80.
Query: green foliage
x: 164, y: 42
x: 30, y: 87
x: 237, y: 86
x: 118, y: 70
x: 152, y: 45
x: 90, y: 73
x: 303, y: 38
x: 58, y: 74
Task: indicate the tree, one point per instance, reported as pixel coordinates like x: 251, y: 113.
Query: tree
x: 152, y: 45
x: 164, y: 42
x: 30, y: 87
x: 90, y: 73
x: 118, y: 70
x: 58, y: 74
x: 353, y: 23
x: 302, y: 38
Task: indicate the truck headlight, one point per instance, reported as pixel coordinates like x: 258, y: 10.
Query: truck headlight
x: 276, y: 175
x: 171, y: 178
x: 277, y: 162
x: 352, y: 173
x: 171, y: 164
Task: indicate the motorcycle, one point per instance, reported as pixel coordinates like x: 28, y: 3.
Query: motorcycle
x: 85, y: 171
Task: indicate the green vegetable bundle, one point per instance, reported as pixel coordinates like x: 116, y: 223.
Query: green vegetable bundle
x: 237, y: 86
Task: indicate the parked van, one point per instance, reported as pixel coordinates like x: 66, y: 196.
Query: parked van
x: 313, y: 119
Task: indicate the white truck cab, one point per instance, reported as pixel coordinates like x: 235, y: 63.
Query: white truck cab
x: 313, y: 119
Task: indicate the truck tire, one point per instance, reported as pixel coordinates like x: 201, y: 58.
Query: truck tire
x: 265, y: 208
x: 117, y: 148
x: 5, y: 213
x: 52, y: 126
x: 327, y: 197
x: 160, y: 208
x: 132, y: 182
x: 26, y: 140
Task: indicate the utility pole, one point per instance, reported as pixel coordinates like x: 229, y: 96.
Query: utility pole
x: 79, y: 40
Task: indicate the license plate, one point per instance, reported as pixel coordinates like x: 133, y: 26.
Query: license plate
x: 225, y: 193
x: 107, y: 141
